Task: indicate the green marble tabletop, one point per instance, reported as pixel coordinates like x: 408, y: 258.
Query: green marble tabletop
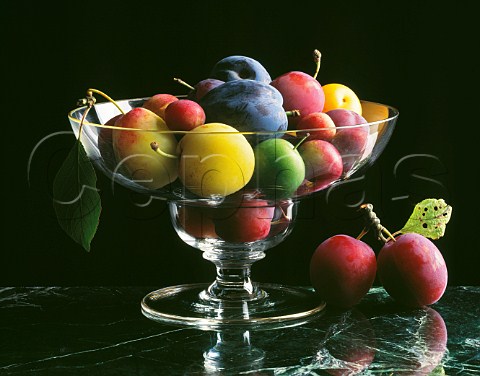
x: 101, y: 331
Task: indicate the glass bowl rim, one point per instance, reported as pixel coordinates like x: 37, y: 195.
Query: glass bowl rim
x: 287, y: 131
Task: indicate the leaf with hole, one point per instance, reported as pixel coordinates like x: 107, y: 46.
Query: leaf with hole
x: 75, y: 197
x: 429, y: 218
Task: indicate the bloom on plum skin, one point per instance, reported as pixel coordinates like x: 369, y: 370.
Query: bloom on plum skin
x: 412, y: 270
x: 342, y: 270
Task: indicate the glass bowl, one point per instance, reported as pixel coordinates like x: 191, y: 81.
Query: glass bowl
x: 232, y: 195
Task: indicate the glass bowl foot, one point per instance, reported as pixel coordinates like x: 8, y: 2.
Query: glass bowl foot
x: 185, y: 305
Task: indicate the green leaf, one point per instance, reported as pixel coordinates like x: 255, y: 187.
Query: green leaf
x: 429, y: 218
x: 75, y: 197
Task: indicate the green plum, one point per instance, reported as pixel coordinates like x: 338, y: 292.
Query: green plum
x: 279, y: 168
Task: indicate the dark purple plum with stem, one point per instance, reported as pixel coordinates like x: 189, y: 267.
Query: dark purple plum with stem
x: 238, y: 67
x: 246, y: 105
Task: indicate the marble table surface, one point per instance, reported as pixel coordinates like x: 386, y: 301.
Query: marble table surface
x: 101, y: 331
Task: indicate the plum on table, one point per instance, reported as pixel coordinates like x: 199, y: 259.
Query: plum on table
x: 342, y: 270
x: 412, y: 270
x: 410, y: 267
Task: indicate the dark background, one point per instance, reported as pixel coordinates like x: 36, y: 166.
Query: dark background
x: 416, y: 57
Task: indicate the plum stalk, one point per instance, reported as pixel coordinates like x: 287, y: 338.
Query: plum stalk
x: 317, y: 56
x: 90, y: 95
x: 307, y: 135
x: 156, y: 148
x: 90, y: 101
x: 374, y: 221
x: 293, y: 113
x: 181, y: 82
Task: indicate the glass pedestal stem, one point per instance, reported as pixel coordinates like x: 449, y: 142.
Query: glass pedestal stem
x: 233, y: 281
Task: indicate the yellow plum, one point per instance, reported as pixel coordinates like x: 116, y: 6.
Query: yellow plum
x: 341, y: 96
x: 134, y: 153
x: 215, y: 159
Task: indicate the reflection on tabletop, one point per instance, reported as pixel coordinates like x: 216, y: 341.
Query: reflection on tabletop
x: 100, y: 331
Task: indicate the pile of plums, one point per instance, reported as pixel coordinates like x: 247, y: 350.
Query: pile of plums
x: 284, y: 137
x: 239, y: 128
x: 239, y: 131
x: 411, y: 269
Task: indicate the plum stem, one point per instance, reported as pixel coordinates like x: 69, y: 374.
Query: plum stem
x: 374, y: 221
x: 89, y: 94
x: 90, y: 102
x: 317, y: 56
x: 389, y: 234
x: 361, y: 235
x: 181, y: 82
x: 301, y: 141
x: 293, y: 113
x: 396, y: 233
x: 156, y: 148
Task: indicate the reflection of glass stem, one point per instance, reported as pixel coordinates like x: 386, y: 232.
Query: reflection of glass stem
x: 233, y: 351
